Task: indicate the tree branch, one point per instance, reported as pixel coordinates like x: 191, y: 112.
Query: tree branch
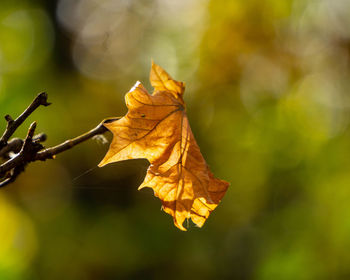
x: 33, y: 151
x: 15, y: 145
x: 68, y: 144
x: 30, y: 149
x: 14, y: 166
x: 12, y: 125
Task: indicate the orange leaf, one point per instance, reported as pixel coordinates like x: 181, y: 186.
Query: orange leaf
x: 156, y: 128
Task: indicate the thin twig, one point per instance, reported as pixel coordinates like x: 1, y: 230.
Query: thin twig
x: 15, y: 166
x: 33, y: 151
x: 14, y: 145
x: 18, y: 153
x: 12, y: 125
x: 25, y: 155
x: 49, y: 153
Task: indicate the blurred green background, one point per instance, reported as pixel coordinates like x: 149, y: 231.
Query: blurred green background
x: 268, y: 100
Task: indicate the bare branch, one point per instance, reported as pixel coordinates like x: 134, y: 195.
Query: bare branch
x: 25, y: 155
x: 14, y: 145
x: 49, y: 153
x: 12, y: 125
x: 7, y: 181
x: 32, y: 150
x: 12, y: 176
x: 18, y: 153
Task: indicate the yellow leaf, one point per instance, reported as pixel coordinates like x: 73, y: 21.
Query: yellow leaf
x: 156, y: 128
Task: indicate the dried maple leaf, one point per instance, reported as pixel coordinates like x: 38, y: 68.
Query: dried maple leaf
x: 156, y: 128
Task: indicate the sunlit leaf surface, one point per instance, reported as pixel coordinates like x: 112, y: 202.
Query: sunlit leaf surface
x: 156, y: 128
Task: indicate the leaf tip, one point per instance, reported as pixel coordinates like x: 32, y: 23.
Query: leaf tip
x: 181, y: 227
x: 102, y: 163
x: 162, y: 81
x: 142, y: 186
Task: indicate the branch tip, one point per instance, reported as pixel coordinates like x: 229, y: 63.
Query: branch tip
x: 9, y: 119
x: 42, y: 98
x: 31, y: 130
x: 12, y: 125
